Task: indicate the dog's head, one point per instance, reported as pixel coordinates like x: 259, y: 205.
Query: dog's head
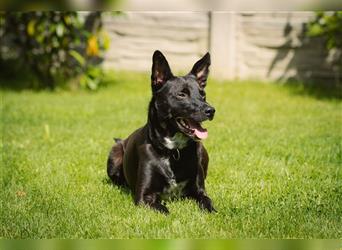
x: 181, y: 101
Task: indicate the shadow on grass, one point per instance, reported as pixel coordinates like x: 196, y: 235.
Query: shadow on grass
x: 317, y: 91
x: 28, y: 82
x: 123, y: 189
x: 15, y: 77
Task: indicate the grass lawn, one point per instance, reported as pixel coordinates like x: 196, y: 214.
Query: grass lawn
x: 274, y: 172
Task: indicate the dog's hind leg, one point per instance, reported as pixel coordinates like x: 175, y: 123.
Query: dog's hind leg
x: 115, y: 164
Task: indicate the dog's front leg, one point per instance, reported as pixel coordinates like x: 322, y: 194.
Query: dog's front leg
x: 143, y: 193
x: 197, y: 192
x: 203, y: 200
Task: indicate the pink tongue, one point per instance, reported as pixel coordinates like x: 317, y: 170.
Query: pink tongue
x: 201, y: 134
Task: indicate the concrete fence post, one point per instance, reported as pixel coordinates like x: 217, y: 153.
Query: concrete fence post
x: 222, y: 44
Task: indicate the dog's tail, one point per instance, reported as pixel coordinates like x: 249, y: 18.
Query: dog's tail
x: 115, y: 163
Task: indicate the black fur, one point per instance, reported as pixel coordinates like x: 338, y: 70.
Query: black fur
x: 153, y: 159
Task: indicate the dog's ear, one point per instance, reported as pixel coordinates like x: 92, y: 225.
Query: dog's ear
x: 161, y: 71
x: 201, y: 70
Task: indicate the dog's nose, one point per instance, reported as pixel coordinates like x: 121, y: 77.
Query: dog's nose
x: 210, y: 111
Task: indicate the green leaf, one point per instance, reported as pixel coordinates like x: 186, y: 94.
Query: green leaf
x: 92, y: 84
x: 315, y: 30
x: 94, y: 72
x: 60, y: 30
x: 79, y: 58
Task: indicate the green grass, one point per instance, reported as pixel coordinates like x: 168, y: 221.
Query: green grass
x: 274, y: 172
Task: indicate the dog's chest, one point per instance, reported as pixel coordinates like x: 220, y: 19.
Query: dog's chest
x: 172, y: 189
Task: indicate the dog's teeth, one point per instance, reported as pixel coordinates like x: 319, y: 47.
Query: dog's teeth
x: 183, y: 123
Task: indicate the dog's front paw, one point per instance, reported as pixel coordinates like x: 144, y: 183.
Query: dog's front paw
x: 206, y: 204
x: 160, y: 208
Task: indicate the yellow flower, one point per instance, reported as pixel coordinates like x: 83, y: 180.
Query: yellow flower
x: 31, y: 27
x: 92, y: 46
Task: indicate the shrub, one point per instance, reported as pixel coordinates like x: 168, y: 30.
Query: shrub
x: 55, y: 46
x: 328, y: 25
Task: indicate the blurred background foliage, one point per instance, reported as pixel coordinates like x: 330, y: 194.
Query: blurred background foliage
x: 328, y: 26
x: 53, y: 49
x: 58, y: 5
x: 50, y: 49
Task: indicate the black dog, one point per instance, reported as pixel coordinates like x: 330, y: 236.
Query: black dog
x: 166, y: 154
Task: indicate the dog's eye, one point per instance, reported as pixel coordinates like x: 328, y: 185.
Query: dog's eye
x: 184, y: 93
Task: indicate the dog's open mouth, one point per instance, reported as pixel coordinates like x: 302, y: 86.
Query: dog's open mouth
x: 192, y: 128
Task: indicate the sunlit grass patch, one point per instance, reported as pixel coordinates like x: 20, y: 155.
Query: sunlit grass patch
x: 274, y: 172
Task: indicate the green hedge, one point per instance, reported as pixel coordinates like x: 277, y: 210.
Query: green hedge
x: 58, y: 48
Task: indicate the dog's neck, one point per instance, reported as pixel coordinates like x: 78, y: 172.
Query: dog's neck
x: 161, y: 135
x: 178, y: 141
